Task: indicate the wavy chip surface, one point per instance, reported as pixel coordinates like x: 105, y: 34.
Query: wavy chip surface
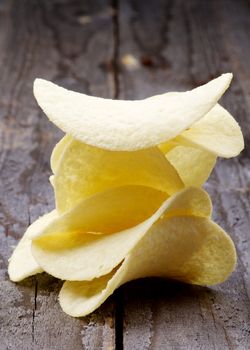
x: 189, y: 249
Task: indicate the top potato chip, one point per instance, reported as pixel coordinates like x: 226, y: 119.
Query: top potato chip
x: 127, y: 125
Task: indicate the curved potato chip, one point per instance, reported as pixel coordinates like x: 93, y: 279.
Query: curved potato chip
x: 218, y: 132
x: 189, y: 249
x: 107, y: 212
x: 85, y: 170
x: 73, y: 256
x: 127, y: 125
x: 194, y: 165
x: 191, y: 201
x: 58, y: 150
x: 22, y: 263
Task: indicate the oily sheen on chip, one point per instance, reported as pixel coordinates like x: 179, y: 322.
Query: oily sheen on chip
x: 127, y: 179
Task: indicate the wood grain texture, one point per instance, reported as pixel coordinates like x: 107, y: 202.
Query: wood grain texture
x: 69, y: 42
x: 178, y: 45
x: 83, y: 45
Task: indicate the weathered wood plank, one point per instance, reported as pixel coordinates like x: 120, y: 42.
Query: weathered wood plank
x: 179, y: 44
x: 69, y: 42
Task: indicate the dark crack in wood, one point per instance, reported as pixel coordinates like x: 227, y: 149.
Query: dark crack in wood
x: 116, y: 40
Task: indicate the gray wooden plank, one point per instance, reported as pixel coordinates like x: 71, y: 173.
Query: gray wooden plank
x: 71, y: 43
x: 178, y: 45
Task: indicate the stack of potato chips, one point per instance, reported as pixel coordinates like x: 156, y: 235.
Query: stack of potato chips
x: 127, y: 178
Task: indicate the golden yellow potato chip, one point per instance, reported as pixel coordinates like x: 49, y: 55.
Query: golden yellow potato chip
x: 22, y: 263
x: 217, y: 132
x: 87, y: 170
x: 193, y: 165
x: 186, y: 248
x: 106, y: 212
x: 127, y: 125
x: 57, y: 153
x: 76, y: 256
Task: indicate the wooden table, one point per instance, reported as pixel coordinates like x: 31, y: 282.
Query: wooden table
x: 84, y: 45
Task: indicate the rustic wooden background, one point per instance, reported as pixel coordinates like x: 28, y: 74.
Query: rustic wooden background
x: 83, y: 45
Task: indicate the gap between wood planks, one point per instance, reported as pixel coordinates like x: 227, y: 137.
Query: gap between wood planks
x: 119, y: 312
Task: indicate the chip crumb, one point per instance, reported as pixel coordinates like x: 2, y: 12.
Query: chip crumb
x: 84, y: 19
x: 130, y: 62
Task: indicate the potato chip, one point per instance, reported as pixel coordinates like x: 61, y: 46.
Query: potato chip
x: 109, y: 211
x: 193, y: 165
x: 87, y: 170
x: 58, y: 151
x: 127, y: 125
x: 76, y: 256
x: 181, y: 157
x: 22, y: 263
x: 216, y: 132
x: 186, y: 248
